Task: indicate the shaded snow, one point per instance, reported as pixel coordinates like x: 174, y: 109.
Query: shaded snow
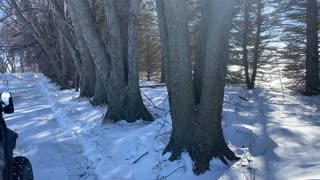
x: 276, y: 135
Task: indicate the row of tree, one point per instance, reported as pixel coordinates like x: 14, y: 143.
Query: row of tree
x: 97, y: 46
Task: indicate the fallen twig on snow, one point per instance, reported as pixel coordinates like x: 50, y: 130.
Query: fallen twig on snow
x: 243, y: 98
x: 251, y: 97
x: 174, y: 171
x: 140, y: 157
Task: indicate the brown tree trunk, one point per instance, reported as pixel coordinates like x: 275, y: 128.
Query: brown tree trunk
x: 312, y: 59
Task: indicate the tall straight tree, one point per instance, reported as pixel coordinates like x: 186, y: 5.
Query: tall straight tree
x: 196, y: 126
x: 251, y: 79
x: 312, y: 52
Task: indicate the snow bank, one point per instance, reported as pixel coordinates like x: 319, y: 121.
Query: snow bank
x: 271, y: 132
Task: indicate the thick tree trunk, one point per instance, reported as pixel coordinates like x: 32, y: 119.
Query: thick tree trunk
x: 109, y: 61
x: 164, y: 39
x: 312, y: 59
x: 117, y: 78
x: 123, y: 10
x: 163, y: 77
x: 195, y: 128
x: 180, y: 75
x: 201, y: 51
x: 208, y: 129
x: 245, y: 43
x: 133, y: 104
x: 64, y: 61
x: 83, y: 20
x: 88, y: 68
x: 100, y: 94
x: 126, y: 100
x: 79, y: 51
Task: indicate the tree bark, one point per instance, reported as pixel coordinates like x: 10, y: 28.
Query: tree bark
x: 201, y: 50
x: 195, y: 128
x: 245, y: 43
x: 83, y: 20
x: 312, y: 59
x: 133, y: 102
x: 109, y: 60
x: 256, y: 49
x: 148, y: 60
x: 180, y: 73
x: 164, y: 39
x: 117, y: 79
x: 163, y: 77
x: 208, y: 130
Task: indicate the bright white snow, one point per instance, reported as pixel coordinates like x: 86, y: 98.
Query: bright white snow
x: 276, y: 135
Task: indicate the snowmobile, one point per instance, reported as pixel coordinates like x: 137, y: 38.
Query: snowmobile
x: 11, y: 168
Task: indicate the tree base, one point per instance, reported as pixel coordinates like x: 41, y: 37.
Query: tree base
x: 311, y: 92
x: 200, y: 157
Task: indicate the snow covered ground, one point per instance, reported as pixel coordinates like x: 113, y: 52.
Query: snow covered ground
x: 276, y: 135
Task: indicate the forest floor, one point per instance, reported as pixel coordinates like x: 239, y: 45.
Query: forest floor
x: 275, y: 134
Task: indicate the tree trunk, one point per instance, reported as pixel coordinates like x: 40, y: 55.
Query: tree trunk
x: 256, y: 53
x: 148, y: 60
x: 245, y: 43
x: 125, y: 102
x: 208, y: 130
x: 100, y: 94
x: 117, y: 80
x: 22, y: 59
x: 195, y: 128
x: 64, y: 64
x: 133, y: 102
x: 83, y: 20
x: 163, y: 77
x: 180, y: 75
x: 312, y: 59
x: 109, y: 59
x: 79, y: 51
x: 163, y: 39
x: 201, y: 51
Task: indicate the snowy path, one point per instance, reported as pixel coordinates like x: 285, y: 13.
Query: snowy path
x: 53, y: 154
